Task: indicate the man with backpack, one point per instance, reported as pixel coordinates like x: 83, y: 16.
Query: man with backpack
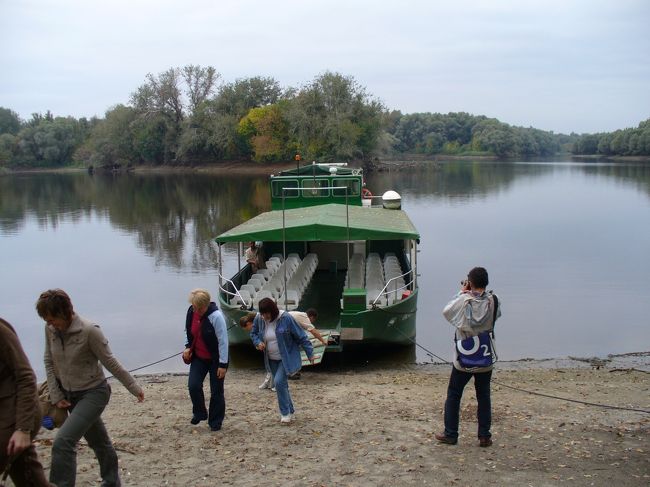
x: 472, y: 312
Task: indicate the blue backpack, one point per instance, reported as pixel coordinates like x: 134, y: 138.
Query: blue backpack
x: 478, y: 351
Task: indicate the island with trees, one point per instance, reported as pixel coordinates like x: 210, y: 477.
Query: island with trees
x: 188, y: 116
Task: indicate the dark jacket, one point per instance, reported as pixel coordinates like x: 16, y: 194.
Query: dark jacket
x: 19, y: 408
x: 209, y: 333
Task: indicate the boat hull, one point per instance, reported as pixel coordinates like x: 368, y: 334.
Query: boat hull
x: 394, y: 324
x: 390, y: 325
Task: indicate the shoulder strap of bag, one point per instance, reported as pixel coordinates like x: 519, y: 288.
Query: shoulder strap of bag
x: 494, y: 316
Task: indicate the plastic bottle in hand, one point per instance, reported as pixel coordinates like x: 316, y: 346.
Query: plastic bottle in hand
x: 47, y: 422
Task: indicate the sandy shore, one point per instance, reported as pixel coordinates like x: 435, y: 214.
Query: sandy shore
x: 375, y: 427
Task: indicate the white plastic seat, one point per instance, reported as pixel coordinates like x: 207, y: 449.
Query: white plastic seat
x: 250, y: 288
x: 275, y: 286
x: 264, y: 274
x: 244, y: 298
x: 258, y: 282
x: 290, y: 300
x: 261, y: 295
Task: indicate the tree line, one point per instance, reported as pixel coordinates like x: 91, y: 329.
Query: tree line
x: 626, y: 142
x: 188, y: 116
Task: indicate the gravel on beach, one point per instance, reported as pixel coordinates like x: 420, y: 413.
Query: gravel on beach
x: 376, y: 427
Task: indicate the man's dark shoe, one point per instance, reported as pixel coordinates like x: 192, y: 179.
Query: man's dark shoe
x: 295, y: 376
x: 484, y: 441
x: 196, y: 420
x: 215, y: 428
x: 447, y: 440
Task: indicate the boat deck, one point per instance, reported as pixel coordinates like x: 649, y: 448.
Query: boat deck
x: 324, y: 295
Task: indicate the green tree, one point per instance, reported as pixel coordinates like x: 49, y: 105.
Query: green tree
x: 163, y: 104
x: 8, y: 149
x: 46, y: 141
x: 212, y: 130
x: 266, y: 132
x: 333, y: 118
x: 9, y: 121
x: 111, y: 141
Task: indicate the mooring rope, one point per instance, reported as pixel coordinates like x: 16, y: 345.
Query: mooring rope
x: 162, y: 359
x: 432, y: 355
x: 550, y: 396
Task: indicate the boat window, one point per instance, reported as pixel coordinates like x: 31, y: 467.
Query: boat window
x: 353, y: 186
x: 278, y: 185
x: 315, y: 188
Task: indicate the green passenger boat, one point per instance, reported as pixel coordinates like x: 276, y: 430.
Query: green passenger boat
x: 327, y: 245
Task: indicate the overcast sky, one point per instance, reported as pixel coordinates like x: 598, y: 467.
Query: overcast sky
x: 561, y: 65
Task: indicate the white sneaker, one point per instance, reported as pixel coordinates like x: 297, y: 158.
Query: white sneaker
x: 286, y: 419
x: 267, y: 382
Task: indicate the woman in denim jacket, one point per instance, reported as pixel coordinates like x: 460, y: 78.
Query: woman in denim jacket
x: 278, y: 335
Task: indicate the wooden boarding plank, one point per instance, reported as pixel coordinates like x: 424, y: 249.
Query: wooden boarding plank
x: 318, y: 357
x: 319, y: 348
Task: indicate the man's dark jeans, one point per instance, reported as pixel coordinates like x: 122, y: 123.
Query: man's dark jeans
x: 457, y: 383
x: 217, y: 410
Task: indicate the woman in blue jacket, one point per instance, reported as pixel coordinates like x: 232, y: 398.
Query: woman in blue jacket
x: 278, y: 335
x: 206, y: 351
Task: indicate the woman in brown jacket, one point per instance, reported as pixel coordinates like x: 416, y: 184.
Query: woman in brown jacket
x: 20, y: 417
x: 75, y: 350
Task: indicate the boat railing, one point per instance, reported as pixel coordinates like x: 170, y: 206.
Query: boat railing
x: 230, y: 293
x: 385, y: 292
x: 376, y: 201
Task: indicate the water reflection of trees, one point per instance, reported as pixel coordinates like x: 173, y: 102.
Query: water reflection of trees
x: 467, y: 180
x: 174, y: 217
x: 633, y: 174
x: 459, y: 181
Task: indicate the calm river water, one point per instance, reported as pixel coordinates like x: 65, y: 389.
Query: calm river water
x: 567, y: 247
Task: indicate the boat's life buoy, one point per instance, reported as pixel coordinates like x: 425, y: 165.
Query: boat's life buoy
x: 365, y: 193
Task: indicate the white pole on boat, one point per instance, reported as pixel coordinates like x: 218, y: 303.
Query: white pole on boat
x: 220, y: 267
x: 415, y: 265
x: 347, y: 222
x: 240, y: 252
x: 284, y: 252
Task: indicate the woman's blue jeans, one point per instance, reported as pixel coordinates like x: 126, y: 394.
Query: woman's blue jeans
x: 457, y: 383
x: 84, y: 420
x: 199, y: 368
x: 281, y: 387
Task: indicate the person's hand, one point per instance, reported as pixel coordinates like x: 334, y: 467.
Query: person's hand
x: 63, y: 404
x: 221, y: 373
x: 140, y: 396
x: 18, y: 442
x: 187, y: 354
x: 312, y: 359
x: 261, y: 346
x: 323, y: 341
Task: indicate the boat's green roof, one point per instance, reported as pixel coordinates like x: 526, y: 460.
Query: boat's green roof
x: 324, y: 223
x: 319, y: 170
